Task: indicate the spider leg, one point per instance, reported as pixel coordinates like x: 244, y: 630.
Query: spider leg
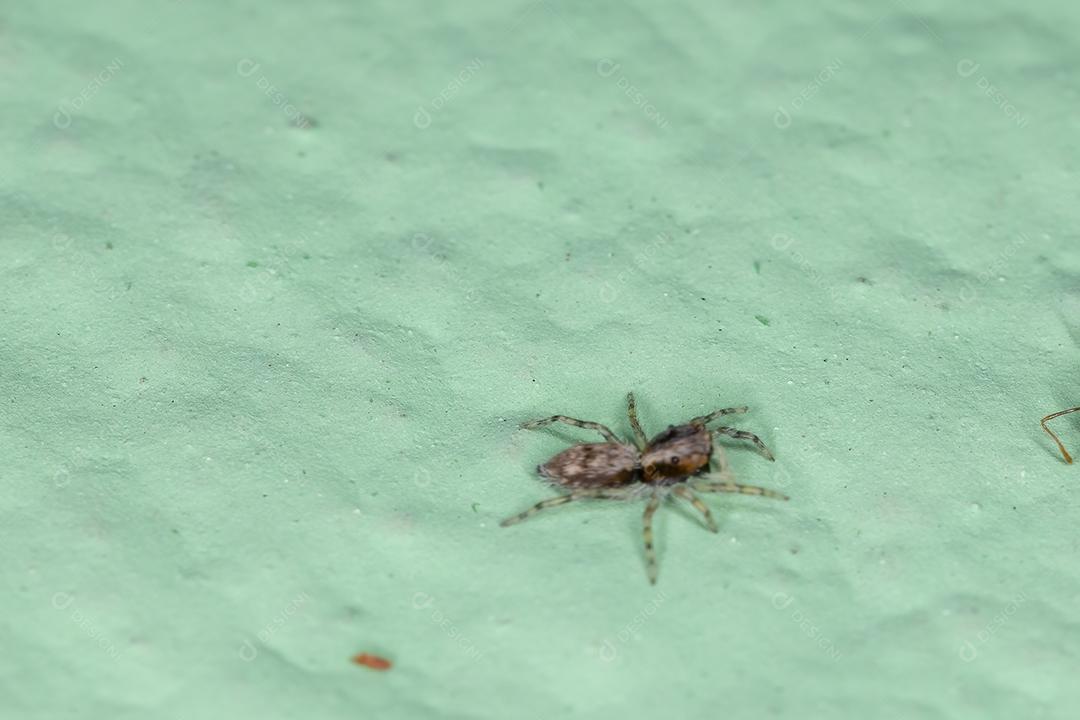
x: 1051, y: 416
x: 602, y: 429
x: 730, y: 487
x: 650, y: 551
x: 744, y: 435
x: 687, y: 494
x: 706, y: 419
x: 720, y: 457
x: 631, y: 411
x: 555, y: 502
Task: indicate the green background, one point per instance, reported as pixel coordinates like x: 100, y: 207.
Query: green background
x: 279, y: 281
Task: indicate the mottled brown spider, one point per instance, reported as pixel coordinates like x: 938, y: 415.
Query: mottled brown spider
x: 672, y: 463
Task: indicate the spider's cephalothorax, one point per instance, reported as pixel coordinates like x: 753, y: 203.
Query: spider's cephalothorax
x: 676, y: 454
x: 671, y: 463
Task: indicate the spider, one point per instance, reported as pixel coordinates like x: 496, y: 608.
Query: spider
x: 672, y: 463
x: 1051, y: 416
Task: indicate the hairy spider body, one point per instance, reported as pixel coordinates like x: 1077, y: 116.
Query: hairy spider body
x: 670, y: 457
x: 672, y: 463
x: 592, y: 465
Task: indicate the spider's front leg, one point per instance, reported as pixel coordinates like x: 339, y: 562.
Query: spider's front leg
x: 744, y: 435
x: 733, y: 487
x: 687, y: 494
x: 631, y: 411
x: 720, y: 458
x: 706, y: 419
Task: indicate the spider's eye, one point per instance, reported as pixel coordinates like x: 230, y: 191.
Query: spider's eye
x: 674, y: 459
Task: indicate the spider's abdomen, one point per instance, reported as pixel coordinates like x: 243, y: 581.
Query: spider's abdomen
x: 676, y: 453
x: 595, y: 465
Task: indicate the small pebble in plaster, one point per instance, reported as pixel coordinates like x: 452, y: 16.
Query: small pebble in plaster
x: 672, y: 465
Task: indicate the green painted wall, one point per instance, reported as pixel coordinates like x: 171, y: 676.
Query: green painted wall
x: 279, y: 280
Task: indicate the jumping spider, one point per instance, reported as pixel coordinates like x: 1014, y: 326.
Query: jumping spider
x: 672, y: 463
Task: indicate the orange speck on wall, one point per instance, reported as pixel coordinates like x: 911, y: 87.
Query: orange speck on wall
x: 372, y: 661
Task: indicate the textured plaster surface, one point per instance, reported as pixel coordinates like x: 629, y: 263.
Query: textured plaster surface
x: 278, y: 281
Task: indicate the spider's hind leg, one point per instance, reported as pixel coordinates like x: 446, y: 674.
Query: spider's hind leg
x: 731, y: 487
x: 557, y: 501
x: 687, y: 494
x: 588, y: 425
x: 647, y: 533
